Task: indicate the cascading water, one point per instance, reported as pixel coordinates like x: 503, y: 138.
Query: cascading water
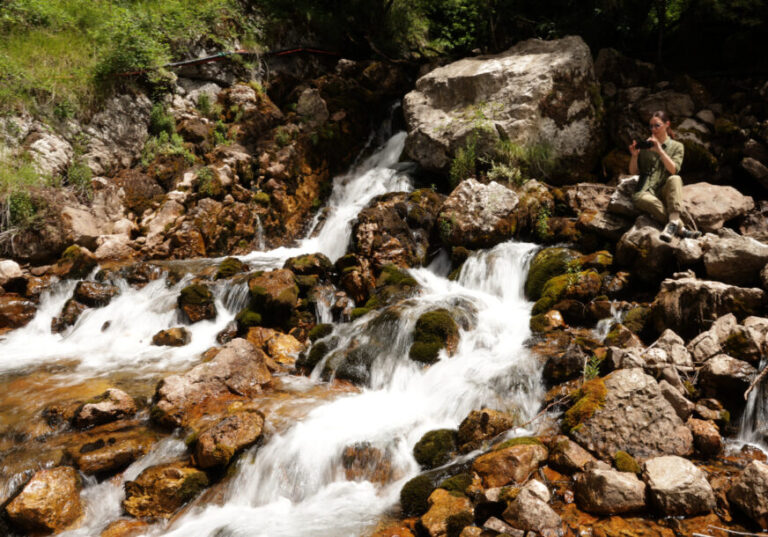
x: 753, y: 428
x: 295, y: 483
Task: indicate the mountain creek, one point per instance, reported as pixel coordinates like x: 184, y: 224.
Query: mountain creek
x: 362, y: 303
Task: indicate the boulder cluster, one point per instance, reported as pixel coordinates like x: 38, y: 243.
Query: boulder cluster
x: 648, y: 348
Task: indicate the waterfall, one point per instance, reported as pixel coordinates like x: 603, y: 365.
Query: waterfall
x: 753, y: 427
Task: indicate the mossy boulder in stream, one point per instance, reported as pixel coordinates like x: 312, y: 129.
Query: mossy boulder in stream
x: 435, y: 448
x: 274, y: 295
x: 547, y: 264
x: 435, y: 330
x: 229, y: 267
x: 584, y: 286
x: 392, y: 285
x: 161, y: 490
x: 196, y: 303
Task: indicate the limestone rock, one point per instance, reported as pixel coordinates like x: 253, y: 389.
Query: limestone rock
x: 683, y: 407
x: 567, y: 456
x: 677, y: 487
x: 509, y: 464
x: 706, y: 437
x: 609, y: 492
x: 112, y: 405
x: 537, y: 91
x: 636, y: 418
x: 688, y: 305
x: 125, y: 528
x: 161, y: 490
x: 724, y: 376
x: 9, y: 270
x: 50, y: 152
x: 711, y: 206
x: 217, y: 445
x: 756, y: 169
x: 529, y: 510
x: 482, y: 425
x: 477, y: 215
x: 642, y: 250
x: 442, y: 506
x: 274, y: 295
x: 173, y: 337
x: 734, y: 259
x: 49, y: 503
x: 238, y: 370
x: 750, y: 492
x: 68, y: 317
x: 196, y: 303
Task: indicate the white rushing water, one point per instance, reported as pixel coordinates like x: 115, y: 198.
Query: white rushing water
x: 295, y: 483
x: 753, y: 427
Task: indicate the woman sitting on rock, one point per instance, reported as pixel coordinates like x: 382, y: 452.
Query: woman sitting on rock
x: 658, y: 167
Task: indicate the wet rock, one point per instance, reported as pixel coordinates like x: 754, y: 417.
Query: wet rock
x: 622, y: 337
x: 107, y: 450
x: 356, y: 277
x: 75, y: 263
x: 537, y: 90
x: 216, y: 446
x: 69, y: 315
x: 396, y: 228
x: 529, y: 510
x: 196, y: 303
x: 15, y: 312
x: 397, y: 529
x: 161, y: 490
x: 227, y: 334
x: 274, y: 295
x: 229, y: 267
x: 238, y: 371
x: 567, y: 456
x: 435, y: 330
x: 476, y: 215
x: 443, y: 506
x: 125, y: 528
x: 547, y: 264
x: 565, y: 366
x: 725, y: 377
x: 608, y: 492
x: 678, y: 488
x: 173, y: 337
x: 94, y: 294
x: 284, y: 348
x: 634, y: 416
x: 310, y: 264
x: 112, y: 405
x: 582, y: 286
x: 49, y: 503
x: 750, y: 492
x: 482, y: 425
x: 510, y: 462
x: 687, y: 305
x: 706, y: 437
x: 734, y: 259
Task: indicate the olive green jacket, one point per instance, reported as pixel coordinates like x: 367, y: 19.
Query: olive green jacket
x: 653, y: 174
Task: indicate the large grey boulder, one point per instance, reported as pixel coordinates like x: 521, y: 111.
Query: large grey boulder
x: 750, y: 492
x: 477, y: 215
x: 689, y: 305
x: 725, y: 377
x: 677, y: 487
x: 635, y: 417
x: 731, y: 258
x: 609, y: 492
x: 530, y: 511
x: 536, y: 92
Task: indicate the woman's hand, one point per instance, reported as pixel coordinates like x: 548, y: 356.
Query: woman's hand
x: 656, y: 148
x: 633, y: 149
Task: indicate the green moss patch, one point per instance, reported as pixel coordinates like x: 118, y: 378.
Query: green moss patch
x: 435, y: 448
x: 589, y: 399
x: 196, y: 294
x: 229, y: 267
x: 320, y: 331
x: 625, y: 462
x: 247, y: 318
x: 434, y: 331
x: 547, y: 264
x: 414, y: 495
x: 520, y: 441
x: 457, y: 484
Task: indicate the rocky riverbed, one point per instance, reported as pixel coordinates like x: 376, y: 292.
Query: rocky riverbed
x: 324, y: 317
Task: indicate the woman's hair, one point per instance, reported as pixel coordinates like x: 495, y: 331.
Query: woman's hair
x: 662, y: 115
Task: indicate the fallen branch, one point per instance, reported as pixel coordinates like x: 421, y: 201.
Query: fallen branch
x: 734, y: 532
x: 758, y: 379
x: 544, y: 411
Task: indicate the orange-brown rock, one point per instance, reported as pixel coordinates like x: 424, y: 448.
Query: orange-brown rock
x: 706, y: 437
x: 161, y: 490
x: 509, y: 465
x: 274, y: 295
x: 111, y: 405
x: 95, y: 294
x: 50, y: 502
x: 173, y: 337
x: 237, y: 372
x: 125, y: 528
x: 363, y: 461
x: 442, y: 506
x: 482, y: 425
x: 217, y: 445
x: 15, y: 312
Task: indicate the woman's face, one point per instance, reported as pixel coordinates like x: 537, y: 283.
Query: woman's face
x: 658, y: 127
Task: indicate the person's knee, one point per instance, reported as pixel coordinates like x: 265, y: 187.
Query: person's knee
x: 675, y: 180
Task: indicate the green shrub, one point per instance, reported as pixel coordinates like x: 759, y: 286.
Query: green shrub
x: 435, y: 448
x: 161, y: 121
x: 163, y: 144
x: 204, y: 104
x: 464, y: 164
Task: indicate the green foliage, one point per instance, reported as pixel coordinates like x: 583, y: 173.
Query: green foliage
x: 18, y: 176
x: 588, y: 400
x: 535, y: 160
x: 464, y: 164
x: 161, y: 121
x: 592, y: 367
x: 221, y: 134
x: 207, y: 183
x: 163, y: 144
x: 542, y: 223
x: 204, y: 104
x: 435, y: 448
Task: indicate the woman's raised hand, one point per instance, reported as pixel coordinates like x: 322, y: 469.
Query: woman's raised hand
x: 633, y: 149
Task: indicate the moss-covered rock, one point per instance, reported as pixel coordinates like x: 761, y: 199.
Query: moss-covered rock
x: 274, y: 295
x: 320, y: 331
x: 625, y: 462
x: 309, y: 264
x: 520, y: 441
x: 392, y: 285
x: 582, y: 286
x: 435, y: 448
x: 546, y: 322
x: 75, y: 263
x: 229, y: 267
x: 455, y: 523
x: 589, y: 399
x: 246, y: 318
x: 308, y: 361
x: 636, y: 319
x: 547, y: 264
x: 457, y: 484
x: 435, y: 330
x: 196, y: 303
x: 414, y: 495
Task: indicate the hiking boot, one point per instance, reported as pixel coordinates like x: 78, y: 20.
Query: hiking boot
x: 687, y: 233
x: 669, y: 231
